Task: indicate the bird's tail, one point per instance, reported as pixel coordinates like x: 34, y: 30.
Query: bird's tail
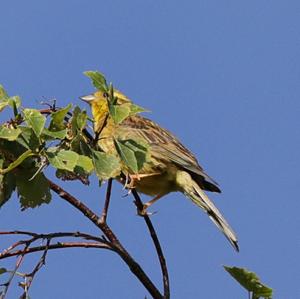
x: 198, y: 196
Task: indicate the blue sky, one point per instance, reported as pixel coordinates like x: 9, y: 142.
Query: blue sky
x: 224, y: 77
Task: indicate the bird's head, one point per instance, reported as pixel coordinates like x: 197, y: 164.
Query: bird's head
x: 99, y: 105
x: 100, y: 98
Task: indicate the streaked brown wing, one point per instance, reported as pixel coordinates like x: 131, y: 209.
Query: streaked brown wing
x: 164, y: 144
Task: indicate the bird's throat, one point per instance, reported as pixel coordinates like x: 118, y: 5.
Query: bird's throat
x: 100, y: 114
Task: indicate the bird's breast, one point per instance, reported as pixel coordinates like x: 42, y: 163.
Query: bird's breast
x: 159, y: 182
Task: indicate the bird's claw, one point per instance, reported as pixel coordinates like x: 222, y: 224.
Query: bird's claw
x: 130, y: 182
x: 143, y: 212
x: 128, y: 193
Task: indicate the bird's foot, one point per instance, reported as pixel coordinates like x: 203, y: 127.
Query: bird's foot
x: 143, y: 212
x: 130, y: 181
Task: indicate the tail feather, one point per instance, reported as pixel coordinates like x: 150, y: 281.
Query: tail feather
x: 199, y: 197
x: 191, y: 189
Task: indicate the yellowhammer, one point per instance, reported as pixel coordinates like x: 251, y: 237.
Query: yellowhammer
x: 171, y: 166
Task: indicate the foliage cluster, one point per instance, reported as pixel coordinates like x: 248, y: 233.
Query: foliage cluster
x: 59, y: 137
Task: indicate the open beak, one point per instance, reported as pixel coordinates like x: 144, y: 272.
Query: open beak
x: 87, y: 98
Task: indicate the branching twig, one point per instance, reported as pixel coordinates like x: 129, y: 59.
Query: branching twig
x: 53, y: 235
x: 58, y: 245
x: 12, y: 251
x: 118, y: 247
x: 18, y: 264
x: 31, y: 275
x: 157, y: 245
x: 36, y: 236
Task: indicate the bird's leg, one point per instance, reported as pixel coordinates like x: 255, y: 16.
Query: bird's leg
x: 127, y: 179
x: 149, y: 203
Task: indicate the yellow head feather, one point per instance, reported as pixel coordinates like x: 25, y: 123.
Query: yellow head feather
x: 99, y: 106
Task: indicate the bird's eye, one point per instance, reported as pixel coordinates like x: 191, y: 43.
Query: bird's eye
x: 105, y: 95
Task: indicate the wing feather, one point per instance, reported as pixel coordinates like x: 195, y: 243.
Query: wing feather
x: 164, y: 144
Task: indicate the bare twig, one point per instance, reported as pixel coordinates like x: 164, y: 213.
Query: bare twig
x: 12, y: 251
x: 18, y: 232
x: 118, y: 247
x: 58, y: 245
x: 18, y: 264
x: 31, y: 275
x: 36, y: 236
x: 53, y: 235
x: 157, y: 245
x: 107, y: 200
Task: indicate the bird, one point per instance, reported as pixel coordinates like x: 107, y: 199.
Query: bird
x: 171, y: 166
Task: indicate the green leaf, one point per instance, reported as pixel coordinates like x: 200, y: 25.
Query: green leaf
x: 28, y: 138
x: 55, y: 134
x: 79, y: 145
x: 9, y: 134
x: 133, y: 153
x: 32, y: 192
x: 35, y: 120
x: 12, y: 149
x: 58, y: 119
x: 5, y: 100
x: 2, y: 270
x: 14, y: 101
x: 85, y: 163
x: 3, y: 104
x: 7, y: 186
x: 17, y: 162
x: 62, y: 159
x: 78, y: 120
x: 81, y: 120
x: 111, y: 97
x: 3, y: 93
x: 250, y: 281
x: 98, y: 80
x: 75, y: 143
x: 106, y: 165
x: 134, y: 109
x: 81, y: 171
x: 85, y: 149
x: 119, y: 112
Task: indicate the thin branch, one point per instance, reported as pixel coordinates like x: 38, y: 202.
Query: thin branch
x: 18, y: 232
x: 38, y: 266
x: 18, y: 264
x: 54, y: 235
x: 85, y: 211
x: 107, y: 200
x: 9, y: 252
x: 13, y: 246
x: 162, y: 260
x: 58, y: 245
x: 36, y: 236
x: 117, y: 246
